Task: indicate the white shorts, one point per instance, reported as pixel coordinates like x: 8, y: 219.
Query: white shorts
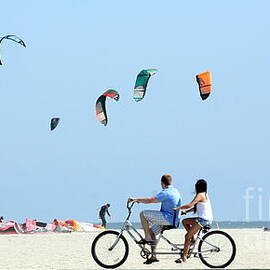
x: 156, y: 220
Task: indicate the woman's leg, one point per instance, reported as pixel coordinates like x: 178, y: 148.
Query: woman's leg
x: 188, y: 223
x: 195, y: 227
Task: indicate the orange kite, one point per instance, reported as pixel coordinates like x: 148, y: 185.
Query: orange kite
x: 205, y: 84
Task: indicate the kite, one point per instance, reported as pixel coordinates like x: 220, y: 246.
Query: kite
x: 100, y: 105
x: 205, y: 84
x: 54, y: 122
x: 13, y: 38
x: 141, y: 83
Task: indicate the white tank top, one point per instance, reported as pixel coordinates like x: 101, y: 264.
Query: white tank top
x: 204, y: 210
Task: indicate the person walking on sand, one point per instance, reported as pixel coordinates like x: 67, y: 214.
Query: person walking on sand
x: 102, y: 212
x: 169, y: 198
x: 200, y: 205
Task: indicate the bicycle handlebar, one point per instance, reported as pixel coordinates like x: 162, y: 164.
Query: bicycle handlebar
x: 130, y: 204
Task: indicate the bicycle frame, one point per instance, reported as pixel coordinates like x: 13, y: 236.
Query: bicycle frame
x: 129, y: 228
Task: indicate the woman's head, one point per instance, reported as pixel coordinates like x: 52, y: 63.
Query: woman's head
x: 201, y: 186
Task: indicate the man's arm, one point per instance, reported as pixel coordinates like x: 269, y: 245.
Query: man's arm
x: 144, y: 200
x: 108, y: 212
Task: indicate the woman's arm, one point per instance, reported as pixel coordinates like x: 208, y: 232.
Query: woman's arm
x: 191, y: 204
x: 187, y: 211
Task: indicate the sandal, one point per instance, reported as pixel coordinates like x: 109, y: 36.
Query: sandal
x: 151, y: 260
x: 178, y: 260
x: 149, y: 242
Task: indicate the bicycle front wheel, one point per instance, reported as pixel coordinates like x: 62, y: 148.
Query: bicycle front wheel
x: 217, y: 249
x: 110, y: 249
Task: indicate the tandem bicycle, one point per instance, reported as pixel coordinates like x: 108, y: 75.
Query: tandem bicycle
x: 110, y: 249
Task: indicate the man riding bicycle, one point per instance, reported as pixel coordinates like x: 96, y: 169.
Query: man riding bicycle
x: 169, y: 198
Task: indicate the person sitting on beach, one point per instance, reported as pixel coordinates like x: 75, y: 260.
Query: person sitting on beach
x: 169, y: 198
x: 202, y: 207
x: 1, y: 219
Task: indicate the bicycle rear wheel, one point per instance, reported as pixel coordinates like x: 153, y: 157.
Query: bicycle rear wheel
x: 217, y: 249
x: 110, y: 249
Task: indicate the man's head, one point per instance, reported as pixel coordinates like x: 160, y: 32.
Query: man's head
x: 108, y: 205
x: 166, y: 180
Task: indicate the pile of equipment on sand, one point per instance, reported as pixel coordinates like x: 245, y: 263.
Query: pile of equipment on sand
x: 33, y: 226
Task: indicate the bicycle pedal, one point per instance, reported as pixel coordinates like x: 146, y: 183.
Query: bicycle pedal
x: 177, y: 249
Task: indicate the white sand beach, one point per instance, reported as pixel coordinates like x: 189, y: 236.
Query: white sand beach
x: 72, y: 251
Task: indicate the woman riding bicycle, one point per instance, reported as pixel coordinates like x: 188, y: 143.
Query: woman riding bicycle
x: 202, y: 207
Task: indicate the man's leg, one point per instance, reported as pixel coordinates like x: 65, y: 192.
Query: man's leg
x: 149, y: 235
x: 145, y: 224
x: 157, y: 220
x: 153, y: 246
x: 103, y: 221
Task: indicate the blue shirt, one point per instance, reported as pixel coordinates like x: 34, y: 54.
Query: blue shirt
x: 169, y: 198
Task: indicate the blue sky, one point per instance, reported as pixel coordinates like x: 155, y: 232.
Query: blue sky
x: 78, y: 49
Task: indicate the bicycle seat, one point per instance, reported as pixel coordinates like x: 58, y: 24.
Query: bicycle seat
x: 206, y: 228
x: 167, y: 227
